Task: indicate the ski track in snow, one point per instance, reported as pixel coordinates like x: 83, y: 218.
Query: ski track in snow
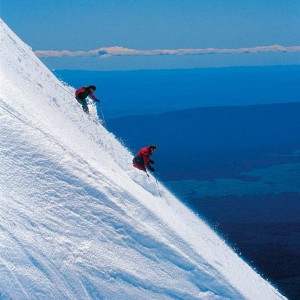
x: 78, y: 222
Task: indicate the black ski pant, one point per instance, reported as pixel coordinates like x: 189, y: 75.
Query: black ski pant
x: 83, y: 104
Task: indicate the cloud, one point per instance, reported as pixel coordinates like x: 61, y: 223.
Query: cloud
x: 121, y: 51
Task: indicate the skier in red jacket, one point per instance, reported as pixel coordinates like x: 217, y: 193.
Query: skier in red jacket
x: 142, y: 158
x: 82, y: 93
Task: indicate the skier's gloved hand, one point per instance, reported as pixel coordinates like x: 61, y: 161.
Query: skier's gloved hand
x: 151, y: 169
x: 97, y: 100
x: 151, y: 161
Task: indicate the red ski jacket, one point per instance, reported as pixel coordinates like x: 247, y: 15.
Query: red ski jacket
x: 83, y: 92
x: 145, y: 153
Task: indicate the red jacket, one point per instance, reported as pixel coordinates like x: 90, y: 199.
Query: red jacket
x: 145, y: 154
x: 83, y: 92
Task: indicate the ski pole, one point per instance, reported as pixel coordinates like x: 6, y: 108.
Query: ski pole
x: 157, y: 187
x: 102, y: 114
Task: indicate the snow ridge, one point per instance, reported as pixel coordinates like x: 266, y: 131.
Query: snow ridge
x: 77, y: 222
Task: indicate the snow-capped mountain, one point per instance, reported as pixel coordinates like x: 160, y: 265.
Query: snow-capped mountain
x: 78, y: 222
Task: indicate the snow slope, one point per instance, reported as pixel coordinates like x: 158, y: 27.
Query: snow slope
x: 77, y: 222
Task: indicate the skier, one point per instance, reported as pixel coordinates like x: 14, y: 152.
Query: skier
x: 142, y: 159
x: 82, y: 93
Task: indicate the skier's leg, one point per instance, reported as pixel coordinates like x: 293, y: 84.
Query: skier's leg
x: 138, y: 163
x: 83, y: 104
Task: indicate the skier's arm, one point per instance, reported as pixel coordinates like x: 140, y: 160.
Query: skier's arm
x: 146, y: 157
x: 147, y: 161
x: 93, y: 96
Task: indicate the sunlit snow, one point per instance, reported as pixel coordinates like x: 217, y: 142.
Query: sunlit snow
x: 78, y: 222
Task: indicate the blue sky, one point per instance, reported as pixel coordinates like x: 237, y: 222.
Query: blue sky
x: 80, y: 27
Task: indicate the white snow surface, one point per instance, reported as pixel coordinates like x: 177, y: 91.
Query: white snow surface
x: 79, y: 222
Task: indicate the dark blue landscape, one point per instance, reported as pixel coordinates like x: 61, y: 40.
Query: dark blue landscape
x: 239, y: 168
x: 127, y: 93
x: 228, y: 146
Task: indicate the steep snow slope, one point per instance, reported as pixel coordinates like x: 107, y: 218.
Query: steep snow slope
x: 77, y: 222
